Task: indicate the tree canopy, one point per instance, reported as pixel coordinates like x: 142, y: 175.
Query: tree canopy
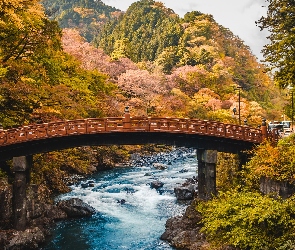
x: 149, y: 28
x: 88, y: 16
x: 39, y: 81
x: 280, y: 52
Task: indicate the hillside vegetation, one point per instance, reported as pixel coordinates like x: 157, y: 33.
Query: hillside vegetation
x: 180, y: 59
x: 86, y: 15
x: 160, y: 65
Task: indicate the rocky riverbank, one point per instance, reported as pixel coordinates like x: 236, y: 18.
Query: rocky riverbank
x: 41, y: 213
x: 40, y: 217
x: 183, y: 232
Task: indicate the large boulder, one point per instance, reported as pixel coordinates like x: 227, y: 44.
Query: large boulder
x: 185, y: 192
x: 284, y: 189
x: 76, y: 208
x: 184, y: 231
x: 188, y: 190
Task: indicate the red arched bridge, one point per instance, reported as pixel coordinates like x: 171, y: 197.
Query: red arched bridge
x: 207, y: 137
x: 200, y: 134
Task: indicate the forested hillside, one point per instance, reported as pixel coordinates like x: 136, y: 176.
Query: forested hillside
x: 39, y: 81
x: 81, y: 58
x: 195, y: 53
x: 86, y: 15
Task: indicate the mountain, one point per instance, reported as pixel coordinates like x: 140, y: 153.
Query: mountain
x: 149, y: 31
x: 88, y: 16
x: 185, y: 56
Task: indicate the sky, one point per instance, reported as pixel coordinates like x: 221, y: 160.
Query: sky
x: 237, y: 15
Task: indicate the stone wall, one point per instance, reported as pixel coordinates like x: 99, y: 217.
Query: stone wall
x: 283, y: 189
x: 5, y: 206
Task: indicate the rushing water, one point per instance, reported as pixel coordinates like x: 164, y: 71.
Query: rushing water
x: 140, y: 221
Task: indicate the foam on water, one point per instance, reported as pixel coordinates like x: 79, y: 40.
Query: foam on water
x: 133, y: 225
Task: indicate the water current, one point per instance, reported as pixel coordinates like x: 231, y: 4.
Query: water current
x: 136, y: 223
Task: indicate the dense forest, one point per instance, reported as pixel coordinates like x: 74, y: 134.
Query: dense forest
x: 87, y: 15
x: 184, y: 58
x: 62, y: 59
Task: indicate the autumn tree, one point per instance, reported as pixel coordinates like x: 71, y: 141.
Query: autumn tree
x: 20, y: 25
x: 143, y: 90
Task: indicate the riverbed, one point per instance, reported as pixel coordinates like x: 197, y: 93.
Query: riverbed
x: 130, y: 214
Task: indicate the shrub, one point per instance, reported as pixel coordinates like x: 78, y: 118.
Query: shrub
x: 248, y: 220
x: 276, y: 162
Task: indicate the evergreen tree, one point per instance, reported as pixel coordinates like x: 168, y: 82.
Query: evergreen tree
x: 87, y: 16
x: 148, y: 26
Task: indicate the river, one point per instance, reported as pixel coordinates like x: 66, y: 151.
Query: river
x: 130, y: 214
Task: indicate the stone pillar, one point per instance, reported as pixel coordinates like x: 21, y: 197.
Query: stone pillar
x: 21, y: 168
x: 206, y: 173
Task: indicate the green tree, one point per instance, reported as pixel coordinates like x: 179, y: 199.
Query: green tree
x: 121, y: 49
x: 87, y: 16
x: 280, y: 52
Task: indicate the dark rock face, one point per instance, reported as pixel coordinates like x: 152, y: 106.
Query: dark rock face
x: 5, y: 206
x: 278, y: 188
x: 40, y: 216
x: 187, y: 191
x: 76, y: 208
x: 28, y: 239
x: 183, y: 232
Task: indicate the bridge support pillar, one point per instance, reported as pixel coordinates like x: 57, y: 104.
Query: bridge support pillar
x: 206, y: 173
x: 21, y: 168
x: 126, y: 119
x: 264, y: 129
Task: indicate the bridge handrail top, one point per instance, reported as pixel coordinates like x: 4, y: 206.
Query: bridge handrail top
x: 154, y: 119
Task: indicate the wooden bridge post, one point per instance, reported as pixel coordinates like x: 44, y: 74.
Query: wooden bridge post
x: 126, y: 120
x: 263, y: 129
x: 206, y: 173
x: 21, y: 168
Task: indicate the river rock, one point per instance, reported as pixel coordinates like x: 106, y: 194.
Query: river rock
x: 185, y: 193
x: 184, y: 231
x: 28, y: 239
x: 159, y: 166
x: 187, y: 190
x: 157, y: 184
x: 76, y: 208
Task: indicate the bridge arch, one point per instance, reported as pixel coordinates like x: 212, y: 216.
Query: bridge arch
x: 207, y: 137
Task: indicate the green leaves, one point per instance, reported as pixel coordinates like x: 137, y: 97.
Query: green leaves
x: 274, y: 162
x: 148, y: 27
x: 248, y: 220
x: 280, y: 52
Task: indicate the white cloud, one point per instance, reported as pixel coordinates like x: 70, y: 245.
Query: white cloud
x: 239, y: 16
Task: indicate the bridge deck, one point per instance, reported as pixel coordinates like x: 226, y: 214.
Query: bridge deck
x: 141, y: 124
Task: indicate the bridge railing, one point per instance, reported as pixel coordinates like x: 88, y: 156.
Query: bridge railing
x: 132, y: 124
